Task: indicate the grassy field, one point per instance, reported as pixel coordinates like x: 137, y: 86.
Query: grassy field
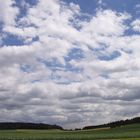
x: 129, y: 132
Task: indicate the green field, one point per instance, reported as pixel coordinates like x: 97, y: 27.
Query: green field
x: 129, y: 132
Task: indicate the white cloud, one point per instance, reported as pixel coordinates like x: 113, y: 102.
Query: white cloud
x: 21, y: 32
x: 136, y: 25
x: 8, y: 12
x: 106, y: 23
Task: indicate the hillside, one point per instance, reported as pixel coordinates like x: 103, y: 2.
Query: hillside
x: 115, y: 124
x: 21, y: 125
x: 37, y: 126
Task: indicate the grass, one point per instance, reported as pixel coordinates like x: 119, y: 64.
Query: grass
x: 129, y: 132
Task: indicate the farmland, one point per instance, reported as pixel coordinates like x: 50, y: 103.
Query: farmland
x: 128, y: 132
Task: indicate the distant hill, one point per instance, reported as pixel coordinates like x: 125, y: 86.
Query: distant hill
x: 115, y: 124
x: 37, y: 126
x: 21, y: 125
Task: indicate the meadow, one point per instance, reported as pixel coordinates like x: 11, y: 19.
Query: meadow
x: 128, y: 132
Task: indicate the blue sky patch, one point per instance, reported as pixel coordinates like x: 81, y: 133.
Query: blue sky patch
x: 109, y: 57
x: 26, y: 68
x: 75, y: 53
x: 12, y: 40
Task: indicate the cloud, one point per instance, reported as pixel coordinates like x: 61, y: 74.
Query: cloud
x: 9, y: 12
x: 70, y: 70
x: 104, y: 19
x: 100, y: 2
x: 136, y: 25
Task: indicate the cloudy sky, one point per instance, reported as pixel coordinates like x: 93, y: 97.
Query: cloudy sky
x: 69, y: 62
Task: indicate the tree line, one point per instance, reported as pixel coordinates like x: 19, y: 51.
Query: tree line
x: 115, y: 124
x: 21, y: 125
x: 37, y: 126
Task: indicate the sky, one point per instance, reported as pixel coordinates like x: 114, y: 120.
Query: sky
x: 69, y: 62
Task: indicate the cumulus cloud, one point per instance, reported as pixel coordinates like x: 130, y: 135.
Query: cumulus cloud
x: 70, y: 70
